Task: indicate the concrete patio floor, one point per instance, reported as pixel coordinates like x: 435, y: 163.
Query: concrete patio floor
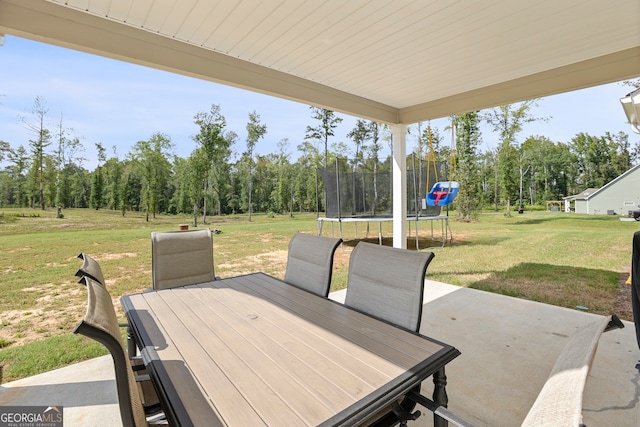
x: 508, y: 348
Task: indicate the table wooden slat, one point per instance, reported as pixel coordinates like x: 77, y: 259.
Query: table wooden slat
x: 253, y: 350
x: 335, y: 315
x: 338, y: 352
x: 296, y: 355
x: 183, y: 345
x: 232, y: 343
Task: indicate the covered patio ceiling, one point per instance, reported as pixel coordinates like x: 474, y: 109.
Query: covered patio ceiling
x: 392, y: 61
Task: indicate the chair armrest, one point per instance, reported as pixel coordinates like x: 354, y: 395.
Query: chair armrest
x: 561, y: 394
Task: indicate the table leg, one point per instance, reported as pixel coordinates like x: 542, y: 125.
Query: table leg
x: 132, y: 348
x: 440, y: 396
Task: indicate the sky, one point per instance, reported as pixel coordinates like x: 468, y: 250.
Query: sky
x: 101, y: 100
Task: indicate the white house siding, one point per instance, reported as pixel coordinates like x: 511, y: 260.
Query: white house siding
x: 581, y: 207
x: 620, y: 195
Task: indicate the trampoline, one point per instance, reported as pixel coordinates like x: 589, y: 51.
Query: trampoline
x: 361, y: 197
x: 444, y: 226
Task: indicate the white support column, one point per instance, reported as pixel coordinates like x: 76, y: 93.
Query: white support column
x: 399, y: 135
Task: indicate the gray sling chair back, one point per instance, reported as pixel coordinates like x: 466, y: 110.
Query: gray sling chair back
x: 180, y: 258
x: 388, y: 283
x: 90, y: 268
x: 100, y: 324
x: 310, y: 262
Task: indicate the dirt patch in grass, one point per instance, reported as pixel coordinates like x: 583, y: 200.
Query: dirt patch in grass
x: 24, y: 248
x: 270, y: 262
x: 116, y: 256
x: 265, y: 237
x: 341, y: 258
x: 58, y: 310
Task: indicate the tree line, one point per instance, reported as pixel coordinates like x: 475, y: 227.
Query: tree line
x: 48, y: 171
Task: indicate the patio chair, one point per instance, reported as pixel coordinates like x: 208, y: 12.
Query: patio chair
x: 388, y: 283
x: 559, y: 403
x: 100, y: 324
x: 180, y: 258
x: 90, y: 268
x: 310, y: 262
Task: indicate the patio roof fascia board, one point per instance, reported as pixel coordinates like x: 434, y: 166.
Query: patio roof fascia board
x: 62, y: 26
x: 604, y: 69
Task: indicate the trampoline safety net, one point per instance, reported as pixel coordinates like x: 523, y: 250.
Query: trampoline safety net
x: 362, y: 193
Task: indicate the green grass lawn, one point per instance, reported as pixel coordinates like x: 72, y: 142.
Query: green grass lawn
x: 557, y: 258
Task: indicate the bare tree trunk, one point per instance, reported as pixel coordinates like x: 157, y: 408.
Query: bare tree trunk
x: 495, y: 187
x: 250, y: 190
x: 204, y: 203
x: 375, y: 187
x: 41, y: 181
x: 521, y: 173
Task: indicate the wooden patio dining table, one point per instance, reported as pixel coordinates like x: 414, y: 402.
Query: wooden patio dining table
x: 253, y: 350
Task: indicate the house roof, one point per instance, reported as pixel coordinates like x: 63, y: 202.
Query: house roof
x: 590, y: 192
x: 582, y: 196
x: 612, y: 182
x: 387, y: 60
